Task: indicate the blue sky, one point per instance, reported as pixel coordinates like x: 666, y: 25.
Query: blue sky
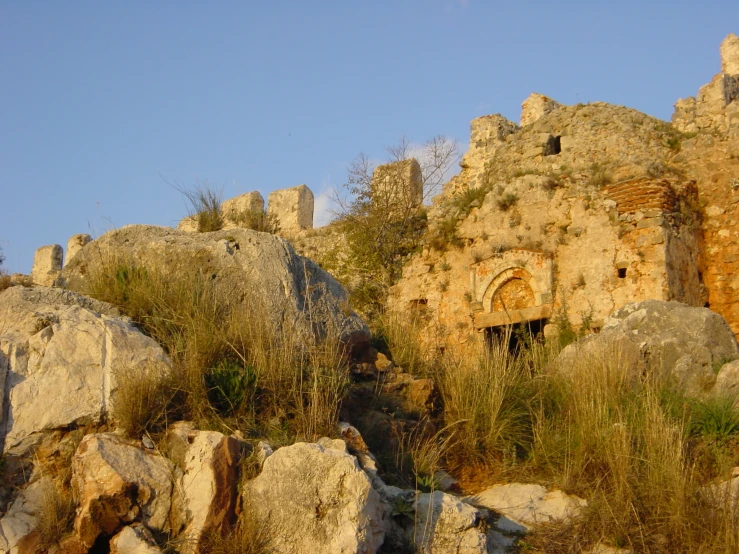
x: 103, y: 102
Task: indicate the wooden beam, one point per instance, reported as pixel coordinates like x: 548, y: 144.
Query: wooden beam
x: 496, y: 319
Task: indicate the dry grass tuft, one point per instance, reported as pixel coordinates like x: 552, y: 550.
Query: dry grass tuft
x: 55, y: 515
x: 249, y: 536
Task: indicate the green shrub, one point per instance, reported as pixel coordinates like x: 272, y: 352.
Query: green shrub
x: 229, y: 385
x: 507, y: 201
x: 714, y: 418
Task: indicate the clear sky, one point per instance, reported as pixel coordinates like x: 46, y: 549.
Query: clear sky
x: 102, y: 103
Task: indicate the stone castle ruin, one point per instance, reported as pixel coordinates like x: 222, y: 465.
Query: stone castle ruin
x: 579, y: 210
x: 565, y: 216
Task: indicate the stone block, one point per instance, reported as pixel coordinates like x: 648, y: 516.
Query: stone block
x: 75, y: 244
x: 47, y: 263
x: 248, y: 202
x: 398, y: 184
x: 293, y: 209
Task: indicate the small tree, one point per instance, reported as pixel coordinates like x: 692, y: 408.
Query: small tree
x: 382, y: 214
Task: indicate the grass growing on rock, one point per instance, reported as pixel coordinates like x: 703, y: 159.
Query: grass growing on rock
x: 640, y: 451
x: 233, y: 366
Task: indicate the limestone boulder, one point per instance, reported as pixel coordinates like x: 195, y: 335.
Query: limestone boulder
x: 135, y: 539
x: 62, y: 351
x: 676, y: 340
x: 117, y: 483
x: 206, y: 491
x: 315, y: 498
x: 727, y: 380
x: 524, y: 506
x: 75, y: 244
x: 444, y: 524
x: 18, y: 525
x: 296, y: 291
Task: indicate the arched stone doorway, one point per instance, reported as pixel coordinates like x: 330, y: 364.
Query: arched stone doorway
x: 514, y: 294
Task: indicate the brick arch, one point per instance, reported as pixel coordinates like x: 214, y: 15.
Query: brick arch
x: 511, y: 289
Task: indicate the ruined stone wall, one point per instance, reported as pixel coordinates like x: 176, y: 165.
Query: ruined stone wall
x: 398, y: 184
x: 717, y: 104
x: 576, y: 220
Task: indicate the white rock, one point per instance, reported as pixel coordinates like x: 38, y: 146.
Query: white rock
x: 18, y: 524
x: 525, y: 505
x: 293, y: 208
x: 207, y: 487
x: 444, y: 524
x: 730, y: 55
x: 317, y: 500
x: 727, y: 380
x: 296, y: 292
x: 135, y: 539
x: 59, y: 351
x: 75, y: 244
x: 117, y: 483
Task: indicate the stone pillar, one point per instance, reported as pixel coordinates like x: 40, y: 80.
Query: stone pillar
x: 730, y: 55
x: 487, y: 133
x: 398, y: 183
x: 47, y: 263
x: 248, y: 202
x: 75, y: 244
x: 537, y: 106
x: 293, y: 209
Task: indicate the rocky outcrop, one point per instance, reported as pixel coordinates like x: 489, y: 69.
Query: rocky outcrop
x: 685, y: 343
x: 62, y: 351
x: 75, y: 244
x: 117, y: 483
x: 297, y: 292
x: 317, y: 499
x: 523, y: 506
x: 537, y: 106
x: 206, y: 491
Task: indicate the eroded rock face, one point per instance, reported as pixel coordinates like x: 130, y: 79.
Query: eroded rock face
x: 116, y: 484
x: 61, y: 351
x: 207, y: 487
x: 730, y: 55
x: 317, y: 499
x: 296, y: 291
x: 674, y: 339
x: 75, y: 244
x: 526, y: 505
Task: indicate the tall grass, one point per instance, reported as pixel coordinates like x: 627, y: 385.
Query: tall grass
x: 405, y: 336
x: 233, y: 366
x: 205, y: 205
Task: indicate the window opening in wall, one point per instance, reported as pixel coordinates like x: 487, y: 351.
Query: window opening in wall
x: 553, y: 146
x: 518, y: 335
x: 622, y: 273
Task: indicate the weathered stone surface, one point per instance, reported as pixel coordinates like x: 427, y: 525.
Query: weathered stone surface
x: 526, y: 505
x: 18, y: 525
x: 75, y: 244
x: 397, y: 185
x: 207, y: 487
x: 537, y: 106
x: 61, y: 350
x: 297, y: 292
x: 727, y: 380
x: 116, y: 484
x: 674, y: 339
x: 247, y: 202
x: 446, y: 525
x: 317, y: 499
x: 730, y: 55
x: 47, y: 262
x: 135, y: 539
x: 293, y: 208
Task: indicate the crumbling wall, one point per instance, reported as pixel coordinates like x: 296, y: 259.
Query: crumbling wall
x: 293, y: 209
x: 535, y: 107
x: 398, y: 184
x: 717, y: 104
